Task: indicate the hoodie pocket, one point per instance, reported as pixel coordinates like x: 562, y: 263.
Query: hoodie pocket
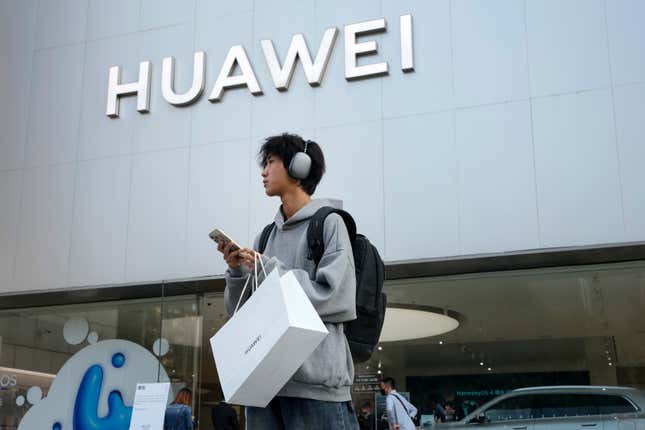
x: 330, y: 364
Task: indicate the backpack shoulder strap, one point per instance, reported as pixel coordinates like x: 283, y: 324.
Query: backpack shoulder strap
x: 264, y: 237
x: 315, y: 231
x: 405, y: 408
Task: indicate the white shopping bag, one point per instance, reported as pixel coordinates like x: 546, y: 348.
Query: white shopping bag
x: 265, y: 342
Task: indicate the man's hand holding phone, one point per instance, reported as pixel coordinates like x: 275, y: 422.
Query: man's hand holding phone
x: 234, y: 255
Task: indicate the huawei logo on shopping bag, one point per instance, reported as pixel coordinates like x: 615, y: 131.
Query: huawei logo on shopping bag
x: 253, y: 344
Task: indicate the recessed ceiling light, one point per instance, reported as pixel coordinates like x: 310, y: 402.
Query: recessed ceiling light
x: 489, y: 369
x: 481, y: 363
x: 405, y: 322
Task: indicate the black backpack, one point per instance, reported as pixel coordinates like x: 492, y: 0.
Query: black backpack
x: 362, y: 333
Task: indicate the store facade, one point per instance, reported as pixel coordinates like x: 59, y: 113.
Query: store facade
x: 492, y: 151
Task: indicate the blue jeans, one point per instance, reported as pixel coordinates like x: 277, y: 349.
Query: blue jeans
x: 292, y: 413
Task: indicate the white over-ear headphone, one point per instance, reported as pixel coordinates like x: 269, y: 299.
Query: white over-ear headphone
x: 300, y: 165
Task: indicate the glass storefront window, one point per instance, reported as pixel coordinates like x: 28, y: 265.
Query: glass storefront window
x: 568, y: 326
x: 55, y: 361
x: 581, y: 326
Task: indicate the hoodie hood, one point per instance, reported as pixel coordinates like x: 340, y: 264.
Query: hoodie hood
x: 305, y: 212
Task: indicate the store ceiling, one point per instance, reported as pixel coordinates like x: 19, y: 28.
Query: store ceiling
x: 528, y: 317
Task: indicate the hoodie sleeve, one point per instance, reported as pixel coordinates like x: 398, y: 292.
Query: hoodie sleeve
x: 333, y: 289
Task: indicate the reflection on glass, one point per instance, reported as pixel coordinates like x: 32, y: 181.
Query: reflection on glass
x: 548, y: 327
x: 57, y: 361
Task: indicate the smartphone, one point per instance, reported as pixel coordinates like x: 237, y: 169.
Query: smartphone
x: 222, y: 238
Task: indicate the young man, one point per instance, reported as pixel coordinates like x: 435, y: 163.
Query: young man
x: 318, y: 395
x: 398, y: 409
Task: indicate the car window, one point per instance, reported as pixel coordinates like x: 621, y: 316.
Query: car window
x: 564, y: 405
x: 614, y: 404
x: 512, y: 408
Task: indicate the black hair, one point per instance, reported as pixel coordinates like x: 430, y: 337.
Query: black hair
x: 389, y: 380
x: 285, y: 146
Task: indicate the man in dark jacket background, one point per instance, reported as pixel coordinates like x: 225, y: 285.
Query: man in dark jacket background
x: 224, y: 417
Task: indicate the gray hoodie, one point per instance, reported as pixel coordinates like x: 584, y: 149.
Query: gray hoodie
x: 329, y: 372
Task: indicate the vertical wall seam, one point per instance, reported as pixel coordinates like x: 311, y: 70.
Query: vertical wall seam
x: 132, y: 159
x: 454, y: 126
x: 78, y: 145
x: 190, y: 157
x: 615, y: 123
x: 531, y: 130
x: 21, y: 208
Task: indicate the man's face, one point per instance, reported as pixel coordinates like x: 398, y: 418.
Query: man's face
x: 275, y: 178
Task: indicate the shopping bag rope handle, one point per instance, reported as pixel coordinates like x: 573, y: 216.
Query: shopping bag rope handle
x: 256, y: 257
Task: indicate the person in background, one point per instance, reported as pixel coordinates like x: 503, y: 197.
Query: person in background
x: 224, y: 417
x: 399, y: 410
x: 179, y: 416
x: 439, y: 412
x: 365, y: 417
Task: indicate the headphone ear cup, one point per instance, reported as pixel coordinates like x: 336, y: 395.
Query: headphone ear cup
x: 300, y: 166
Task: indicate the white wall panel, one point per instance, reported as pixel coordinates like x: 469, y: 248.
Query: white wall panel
x: 429, y: 88
x: 101, y: 136
x: 113, y: 18
x: 157, y: 221
x: 567, y: 44
x: 420, y: 175
x: 210, y: 10
x: 45, y: 227
x: 630, y: 106
x: 17, y: 39
x: 497, y: 210
x: 577, y: 170
x: 218, y: 174
x: 625, y: 20
x: 163, y: 13
x: 100, y: 221
x: 54, y: 106
x: 61, y: 22
x: 354, y: 156
x: 10, y: 191
x: 489, y: 50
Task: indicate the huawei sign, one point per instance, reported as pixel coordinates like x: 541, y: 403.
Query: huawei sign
x: 280, y: 74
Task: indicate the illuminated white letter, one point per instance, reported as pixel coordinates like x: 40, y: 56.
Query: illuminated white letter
x: 298, y: 48
x: 168, y: 78
x: 236, y: 55
x: 353, y: 50
x: 116, y: 89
